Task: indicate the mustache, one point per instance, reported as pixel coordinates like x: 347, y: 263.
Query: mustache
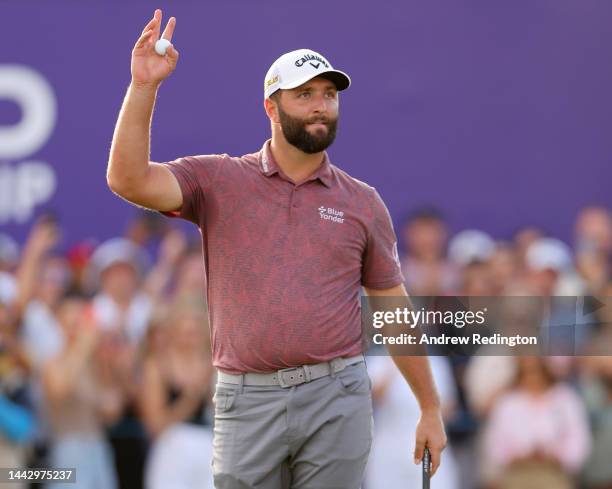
x: 319, y: 120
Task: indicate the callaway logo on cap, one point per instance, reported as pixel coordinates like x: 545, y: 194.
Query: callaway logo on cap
x: 297, y: 67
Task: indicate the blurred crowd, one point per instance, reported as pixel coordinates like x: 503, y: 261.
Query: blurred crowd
x: 514, y: 422
x: 105, y: 361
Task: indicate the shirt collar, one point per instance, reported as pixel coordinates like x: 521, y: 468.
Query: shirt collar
x: 268, y: 166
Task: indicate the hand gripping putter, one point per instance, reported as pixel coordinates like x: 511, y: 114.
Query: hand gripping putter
x: 426, y: 468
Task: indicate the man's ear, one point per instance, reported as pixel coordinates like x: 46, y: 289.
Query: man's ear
x: 271, y: 107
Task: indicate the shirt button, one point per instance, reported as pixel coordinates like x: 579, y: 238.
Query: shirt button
x: 295, y: 205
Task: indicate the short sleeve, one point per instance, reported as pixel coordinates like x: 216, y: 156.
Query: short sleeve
x: 195, y: 176
x: 381, y: 267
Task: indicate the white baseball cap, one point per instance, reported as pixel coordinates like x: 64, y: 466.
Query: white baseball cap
x: 470, y: 246
x: 118, y: 250
x: 549, y: 254
x: 297, y: 67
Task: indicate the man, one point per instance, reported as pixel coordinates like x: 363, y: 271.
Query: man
x: 288, y: 241
x: 425, y: 266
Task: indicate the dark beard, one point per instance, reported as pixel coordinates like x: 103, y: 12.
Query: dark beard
x: 296, y: 134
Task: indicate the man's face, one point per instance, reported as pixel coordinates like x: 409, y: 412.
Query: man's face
x: 309, y: 115
x: 120, y: 280
x: 425, y: 237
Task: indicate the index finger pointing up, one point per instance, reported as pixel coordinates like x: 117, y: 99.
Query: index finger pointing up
x: 169, y: 30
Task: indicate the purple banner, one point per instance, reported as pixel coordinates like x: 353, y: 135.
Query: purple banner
x: 499, y: 113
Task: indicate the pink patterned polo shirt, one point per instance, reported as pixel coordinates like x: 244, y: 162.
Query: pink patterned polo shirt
x: 285, y: 263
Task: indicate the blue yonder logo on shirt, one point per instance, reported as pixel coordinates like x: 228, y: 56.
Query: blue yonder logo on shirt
x: 331, y: 214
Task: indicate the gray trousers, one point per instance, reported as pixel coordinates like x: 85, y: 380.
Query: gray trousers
x: 315, y: 435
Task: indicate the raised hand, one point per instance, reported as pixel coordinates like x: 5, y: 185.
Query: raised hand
x: 172, y: 247
x: 148, y: 67
x: 44, y: 236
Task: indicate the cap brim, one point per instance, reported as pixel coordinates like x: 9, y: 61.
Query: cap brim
x: 337, y: 77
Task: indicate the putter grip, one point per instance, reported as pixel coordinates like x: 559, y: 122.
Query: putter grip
x: 426, y: 468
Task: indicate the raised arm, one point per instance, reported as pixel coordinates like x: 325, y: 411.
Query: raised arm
x: 130, y: 173
x: 42, y: 239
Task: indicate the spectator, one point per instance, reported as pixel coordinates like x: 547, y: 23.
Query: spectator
x: 523, y: 238
x: 424, y: 265
x: 123, y: 310
x: 537, y: 435
x: 504, y: 268
x: 78, y: 257
x: 121, y: 305
x: 17, y: 423
x: 551, y: 273
x: 176, y: 395
x: 79, y: 402
x: 493, y: 368
x: 597, y: 391
x: 396, y: 415
x: 9, y: 254
x: 593, y: 231
x: 470, y: 251
x: 490, y: 373
x: 550, y: 267
x: 593, y: 236
x: 43, y: 280
x: 600, y: 342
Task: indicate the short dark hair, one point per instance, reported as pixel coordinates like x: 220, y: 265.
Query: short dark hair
x: 74, y: 294
x: 425, y: 213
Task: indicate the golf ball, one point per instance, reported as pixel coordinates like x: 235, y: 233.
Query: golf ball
x: 161, y: 45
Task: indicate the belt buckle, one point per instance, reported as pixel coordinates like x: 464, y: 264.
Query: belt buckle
x: 293, y: 379
x: 337, y: 364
